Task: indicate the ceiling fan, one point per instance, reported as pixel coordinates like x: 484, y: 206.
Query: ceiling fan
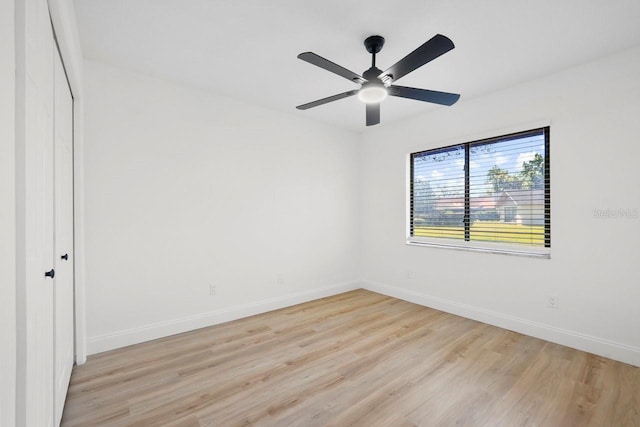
x: 377, y: 84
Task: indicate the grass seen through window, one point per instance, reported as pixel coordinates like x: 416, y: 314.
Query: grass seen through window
x: 488, y: 231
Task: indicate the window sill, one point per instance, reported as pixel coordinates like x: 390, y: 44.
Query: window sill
x: 543, y: 253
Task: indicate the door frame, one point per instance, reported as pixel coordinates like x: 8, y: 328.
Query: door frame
x: 63, y: 21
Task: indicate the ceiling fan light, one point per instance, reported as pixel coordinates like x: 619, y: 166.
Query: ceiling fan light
x: 372, y: 93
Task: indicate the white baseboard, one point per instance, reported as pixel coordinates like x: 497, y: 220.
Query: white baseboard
x: 613, y: 350
x: 137, y: 335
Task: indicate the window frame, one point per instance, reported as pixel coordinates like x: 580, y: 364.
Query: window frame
x: 475, y: 245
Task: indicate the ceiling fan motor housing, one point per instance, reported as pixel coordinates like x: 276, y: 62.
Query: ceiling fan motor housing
x: 372, y: 73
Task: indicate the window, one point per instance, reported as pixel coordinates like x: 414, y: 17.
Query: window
x: 510, y: 213
x: 489, y: 195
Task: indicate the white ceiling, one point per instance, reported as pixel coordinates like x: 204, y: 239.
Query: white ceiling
x: 247, y: 49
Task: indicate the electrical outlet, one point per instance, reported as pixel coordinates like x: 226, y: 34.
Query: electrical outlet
x: 280, y: 279
x: 409, y: 274
x: 213, y: 290
x: 553, y: 301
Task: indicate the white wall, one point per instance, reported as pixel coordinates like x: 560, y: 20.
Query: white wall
x: 185, y: 190
x: 594, y: 267
x: 7, y: 216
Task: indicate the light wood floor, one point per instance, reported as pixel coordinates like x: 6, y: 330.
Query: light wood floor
x: 357, y: 358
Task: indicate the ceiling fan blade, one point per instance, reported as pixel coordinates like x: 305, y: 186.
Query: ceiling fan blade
x: 319, y: 61
x: 373, y: 114
x: 442, y: 98
x: 429, y: 51
x: 327, y: 99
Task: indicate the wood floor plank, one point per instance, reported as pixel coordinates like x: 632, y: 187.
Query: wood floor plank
x: 357, y: 358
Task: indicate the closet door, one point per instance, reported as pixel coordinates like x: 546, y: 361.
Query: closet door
x: 35, y: 222
x: 44, y: 284
x: 63, y: 253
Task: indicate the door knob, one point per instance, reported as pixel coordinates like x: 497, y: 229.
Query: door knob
x: 65, y: 257
x: 51, y: 273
